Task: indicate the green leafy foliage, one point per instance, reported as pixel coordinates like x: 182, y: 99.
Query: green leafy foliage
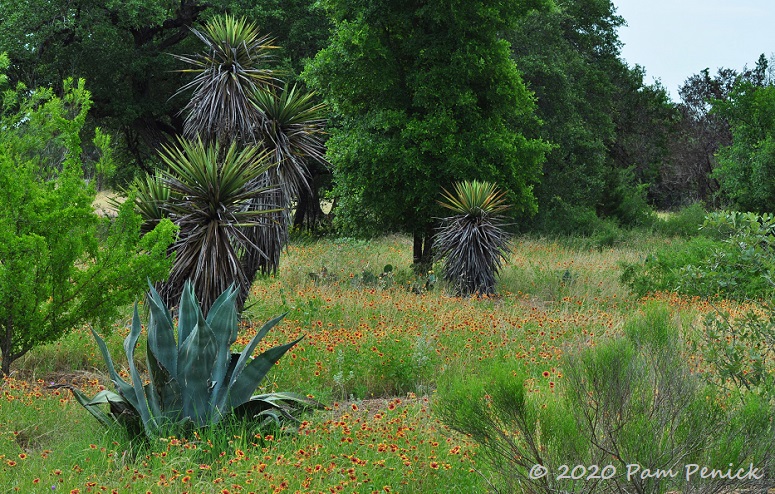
x: 194, y: 381
x: 629, y: 400
x: 734, y: 258
x: 61, y: 265
x: 686, y: 222
x: 597, y: 112
x: 740, y: 349
x: 746, y: 167
x: 473, y: 243
x: 624, y: 199
x: 661, y: 270
x: 123, y: 49
x: 119, y: 47
x: 744, y: 266
x: 425, y: 97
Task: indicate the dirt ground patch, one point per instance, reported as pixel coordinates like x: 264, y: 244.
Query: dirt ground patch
x: 103, y: 202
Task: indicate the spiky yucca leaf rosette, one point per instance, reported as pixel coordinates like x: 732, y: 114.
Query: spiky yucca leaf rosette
x: 237, y: 98
x: 472, y: 243
x: 231, y: 67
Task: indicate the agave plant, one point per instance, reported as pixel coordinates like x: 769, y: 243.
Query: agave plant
x: 194, y: 381
x: 227, y: 73
x: 472, y: 242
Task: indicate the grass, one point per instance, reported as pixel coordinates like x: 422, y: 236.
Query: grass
x: 375, y: 344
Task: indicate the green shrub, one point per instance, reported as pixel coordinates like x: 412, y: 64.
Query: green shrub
x: 734, y: 258
x: 61, y: 265
x: 662, y: 270
x: 625, y: 200
x: 195, y: 381
x: 561, y: 218
x: 743, y: 267
x: 684, y: 223
x: 741, y: 349
x: 628, y: 402
x: 606, y: 234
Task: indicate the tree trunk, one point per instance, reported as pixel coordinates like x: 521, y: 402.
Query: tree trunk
x: 422, y: 255
x: 308, y: 212
x: 6, y: 347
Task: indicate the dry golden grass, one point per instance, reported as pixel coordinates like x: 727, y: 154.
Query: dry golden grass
x: 102, y: 203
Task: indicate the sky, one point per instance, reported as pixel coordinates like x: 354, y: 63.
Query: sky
x: 675, y: 39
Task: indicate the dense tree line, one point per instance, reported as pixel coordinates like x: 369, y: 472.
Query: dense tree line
x: 123, y: 49
x: 531, y: 94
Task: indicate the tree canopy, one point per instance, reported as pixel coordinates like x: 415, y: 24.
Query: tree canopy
x: 746, y: 167
x: 591, y: 105
x: 122, y: 48
x: 530, y: 94
x: 424, y: 95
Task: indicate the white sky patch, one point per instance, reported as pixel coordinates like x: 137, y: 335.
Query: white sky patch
x: 675, y: 39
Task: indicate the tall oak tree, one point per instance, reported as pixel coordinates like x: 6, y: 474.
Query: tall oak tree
x: 425, y: 94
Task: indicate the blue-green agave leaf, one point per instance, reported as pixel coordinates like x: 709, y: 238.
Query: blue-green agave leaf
x: 166, y: 387
x: 287, y: 396
x: 154, y: 401
x: 222, y: 318
x: 188, y: 313
x: 161, y: 338
x: 288, y: 403
x: 273, y: 416
x: 91, y: 404
x: 246, y: 382
x: 125, y: 389
x: 162, y: 357
x: 130, y: 343
x: 236, y: 367
x: 106, y: 396
x: 195, y: 365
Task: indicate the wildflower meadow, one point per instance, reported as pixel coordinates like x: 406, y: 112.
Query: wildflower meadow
x: 378, y: 339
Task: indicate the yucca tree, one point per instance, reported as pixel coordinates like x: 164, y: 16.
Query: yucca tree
x: 210, y: 189
x: 151, y: 196
x: 230, y: 69
x: 236, y: 98
x: 472, y: 243
x: 292, y: 130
